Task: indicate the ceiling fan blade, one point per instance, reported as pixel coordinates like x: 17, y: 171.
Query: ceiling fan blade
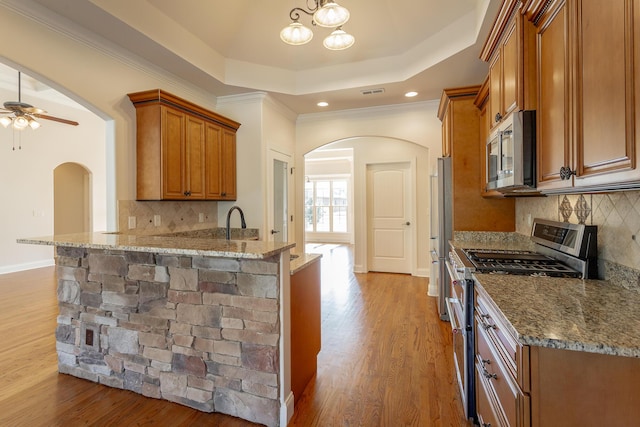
x: 56, y: 119
x: 33, y: 110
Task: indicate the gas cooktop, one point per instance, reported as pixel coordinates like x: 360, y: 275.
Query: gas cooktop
x: 519, y: 263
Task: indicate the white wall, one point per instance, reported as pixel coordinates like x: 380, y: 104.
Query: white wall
x: 394, y: 133
x: 26, y: 178
x: 265, y: 125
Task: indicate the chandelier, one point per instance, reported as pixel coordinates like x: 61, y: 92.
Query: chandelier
x: 325, y: 13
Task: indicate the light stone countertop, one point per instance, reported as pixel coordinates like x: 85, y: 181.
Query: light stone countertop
x: 594, y: 316
x: 303, y: 261
x: 248, y: 249
x: 573, y: 314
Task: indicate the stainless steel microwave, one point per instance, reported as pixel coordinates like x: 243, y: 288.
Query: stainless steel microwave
x: 511, y: 154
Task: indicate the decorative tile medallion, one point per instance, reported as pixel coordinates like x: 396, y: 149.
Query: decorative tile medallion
x: 565, y: 209
x: 582, y: 209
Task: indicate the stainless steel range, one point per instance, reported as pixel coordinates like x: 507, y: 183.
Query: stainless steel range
x: 562, y: 250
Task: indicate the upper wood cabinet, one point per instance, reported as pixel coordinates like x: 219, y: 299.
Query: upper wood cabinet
x: 460, y: 136
x: 184, y: 152
x: 509, y: 50
x: 587, y: 72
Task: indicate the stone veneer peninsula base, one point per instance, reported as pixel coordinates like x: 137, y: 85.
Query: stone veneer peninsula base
x: 202, y: 331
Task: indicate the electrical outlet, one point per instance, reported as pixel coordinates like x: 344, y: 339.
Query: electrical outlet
x: 201, y: 217
x: 157, y: 220
x: 132, y: 222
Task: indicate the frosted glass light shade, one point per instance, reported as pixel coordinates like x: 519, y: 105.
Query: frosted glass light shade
x: 339, y: 40
x: 331, y: 15
x: 20, y: 122
x: 5, y: 121
x: 296, y: 34
x: 34, y: 124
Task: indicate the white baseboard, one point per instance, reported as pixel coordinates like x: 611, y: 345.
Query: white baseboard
x: 422, y: 272
x: 26, y: 266
x: 286, y: 410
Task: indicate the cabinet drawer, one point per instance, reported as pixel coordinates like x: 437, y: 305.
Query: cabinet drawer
x: 511, y: 402
x: 514, y: 355
x: 487, y: 408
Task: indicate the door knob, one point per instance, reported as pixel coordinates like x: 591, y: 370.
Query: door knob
x: 407, y: 223
x: 274, y: 231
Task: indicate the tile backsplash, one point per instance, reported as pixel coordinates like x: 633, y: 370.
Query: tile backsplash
x: 166, y: 216
x: 616, y: 214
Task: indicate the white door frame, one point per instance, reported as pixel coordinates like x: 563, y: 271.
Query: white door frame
x: 274, y: 154
x: 413, y: 210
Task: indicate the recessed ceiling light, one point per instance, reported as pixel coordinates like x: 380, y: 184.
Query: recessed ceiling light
x: 410, y: 94
x: 322, y: 104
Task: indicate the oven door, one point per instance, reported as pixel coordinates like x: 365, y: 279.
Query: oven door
x: 454, y: 306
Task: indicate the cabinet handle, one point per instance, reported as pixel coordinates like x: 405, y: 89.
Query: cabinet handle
x: 498, y: 117
x: 566, y: 173
x: 187, y: 193
x: 486, y: 361
x: 488, y: 326
x: 489, y: 375
x: 486, y: 424
x: 224, y: 194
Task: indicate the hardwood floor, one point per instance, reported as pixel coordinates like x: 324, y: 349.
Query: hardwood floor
x: 386, y: 360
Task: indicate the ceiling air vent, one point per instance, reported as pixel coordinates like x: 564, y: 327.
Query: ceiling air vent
x: 372, y: 91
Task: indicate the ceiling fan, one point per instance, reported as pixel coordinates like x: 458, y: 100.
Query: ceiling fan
x: 21, y: 115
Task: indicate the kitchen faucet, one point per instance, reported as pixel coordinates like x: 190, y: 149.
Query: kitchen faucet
x: 244, y: 224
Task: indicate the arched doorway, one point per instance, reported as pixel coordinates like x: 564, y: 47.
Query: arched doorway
x: 71, y: 199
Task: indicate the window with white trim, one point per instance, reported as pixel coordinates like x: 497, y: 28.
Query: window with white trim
x: 326, y: 205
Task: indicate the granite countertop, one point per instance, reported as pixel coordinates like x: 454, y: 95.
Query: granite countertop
x: 251, y: 249
x: 573, y: 314
x: 300, y: 262
x: 595, y: 316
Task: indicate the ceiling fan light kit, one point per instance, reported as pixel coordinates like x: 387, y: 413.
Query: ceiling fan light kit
x: 325, y: 13
x: 20, y: 115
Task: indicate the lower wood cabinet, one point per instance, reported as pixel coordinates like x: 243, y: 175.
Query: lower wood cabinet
x: 519, y: 385
x: 305, y: 326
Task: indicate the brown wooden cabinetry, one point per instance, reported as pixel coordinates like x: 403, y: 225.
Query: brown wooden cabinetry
x: 509, y: 51
x: 460, y: 134
x: 519, y: 385
x: 184, y: 152
x: 587, y: 68
x: 501, y: 370
x: 305, y: 326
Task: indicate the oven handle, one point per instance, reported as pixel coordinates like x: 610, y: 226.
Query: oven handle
x: 453, y: 273
x: 455, y: 328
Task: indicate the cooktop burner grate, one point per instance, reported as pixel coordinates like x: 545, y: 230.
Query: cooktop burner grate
x: 519, y: 263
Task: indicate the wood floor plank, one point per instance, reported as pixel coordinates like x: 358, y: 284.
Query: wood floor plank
x: 386, y: 360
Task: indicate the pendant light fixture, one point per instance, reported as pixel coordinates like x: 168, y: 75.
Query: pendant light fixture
x: 324, y: 13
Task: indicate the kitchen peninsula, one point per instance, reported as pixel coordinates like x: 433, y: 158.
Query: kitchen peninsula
x: 201, y: 322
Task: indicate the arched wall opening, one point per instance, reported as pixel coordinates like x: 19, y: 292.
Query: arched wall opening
x: 375, y: 150
x: 71, y: 199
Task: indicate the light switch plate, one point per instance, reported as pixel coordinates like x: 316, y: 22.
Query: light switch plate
x: 132, y: 222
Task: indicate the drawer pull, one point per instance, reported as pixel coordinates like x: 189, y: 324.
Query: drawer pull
x: 486, y: 362
x: 489, y: 375
x: 486, y: 424
x: 488, y: 326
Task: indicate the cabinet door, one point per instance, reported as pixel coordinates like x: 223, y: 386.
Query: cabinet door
x: 495, y: 89
x: 173, y: 153
x: 605, y: 139
x: 194, y: 167
x: 553, y: 116
x: 213, y: 160
x: 228, y: 165
x: 510, y: 70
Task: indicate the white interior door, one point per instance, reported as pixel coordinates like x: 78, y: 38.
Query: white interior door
x: 389, y: 217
